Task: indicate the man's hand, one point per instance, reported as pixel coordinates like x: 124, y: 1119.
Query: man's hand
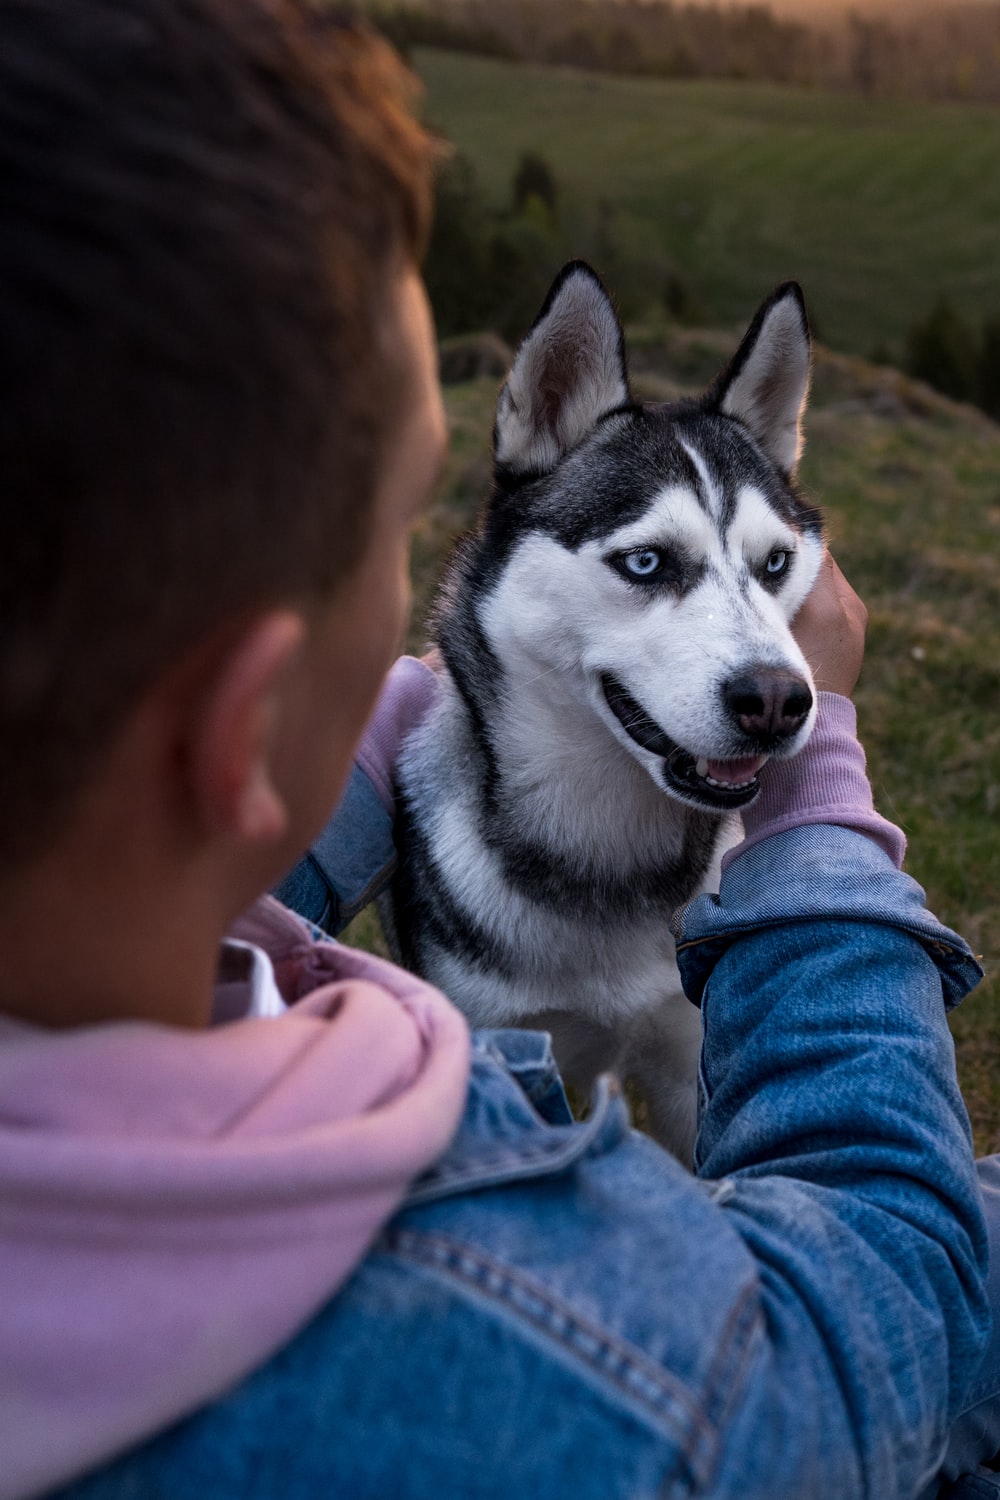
x: 830, y: 629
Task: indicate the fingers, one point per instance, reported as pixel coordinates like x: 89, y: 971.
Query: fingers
x: 830, y: 629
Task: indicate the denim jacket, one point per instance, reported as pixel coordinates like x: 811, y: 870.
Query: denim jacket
x: 561, y: 1310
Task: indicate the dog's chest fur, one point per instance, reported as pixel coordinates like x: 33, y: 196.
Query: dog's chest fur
x: 540, y: 882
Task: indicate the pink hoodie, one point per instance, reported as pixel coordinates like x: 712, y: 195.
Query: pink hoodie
x: 175, y: 1205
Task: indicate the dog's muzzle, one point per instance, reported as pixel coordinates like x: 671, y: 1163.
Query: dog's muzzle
x: 684, y: 775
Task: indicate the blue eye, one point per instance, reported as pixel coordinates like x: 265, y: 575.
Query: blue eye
x: 644, y: 562
x: 778, y: 562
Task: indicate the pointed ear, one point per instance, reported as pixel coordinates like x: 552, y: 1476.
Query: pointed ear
x: 767, y: 385
x: 567, y: 374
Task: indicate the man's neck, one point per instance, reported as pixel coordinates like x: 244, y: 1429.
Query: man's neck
x: 86, y: 938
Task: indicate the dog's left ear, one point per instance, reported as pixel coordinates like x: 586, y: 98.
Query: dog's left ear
x: 767, y: 385
x: 567, y: 374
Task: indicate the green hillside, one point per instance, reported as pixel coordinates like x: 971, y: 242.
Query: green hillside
x: 876, y: 207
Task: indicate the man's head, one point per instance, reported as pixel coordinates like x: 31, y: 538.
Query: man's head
x: 209, y: 210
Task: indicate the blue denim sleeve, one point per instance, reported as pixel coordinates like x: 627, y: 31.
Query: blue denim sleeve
x: 348, y: 865
x: 835, y: 1139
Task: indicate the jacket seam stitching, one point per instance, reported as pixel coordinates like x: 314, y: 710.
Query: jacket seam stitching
x: 519, y: 1162
x: 928, y: 939
x: 727, y: 1373
x: 614, y: 1360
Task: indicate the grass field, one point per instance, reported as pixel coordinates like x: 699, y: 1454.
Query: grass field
x: 910, y: 484
x: 876, y: 207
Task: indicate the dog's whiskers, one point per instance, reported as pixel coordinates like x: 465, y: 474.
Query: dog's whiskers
x: 539, y: 675
x: 634, y: 721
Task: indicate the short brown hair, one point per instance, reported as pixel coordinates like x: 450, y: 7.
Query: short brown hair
x: 201, y: 205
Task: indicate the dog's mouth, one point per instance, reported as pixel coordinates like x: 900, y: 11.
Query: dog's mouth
x: 721, y: 785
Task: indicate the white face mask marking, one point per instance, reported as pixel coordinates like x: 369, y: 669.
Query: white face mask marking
x: 562, y: 620
x: 711, y: 495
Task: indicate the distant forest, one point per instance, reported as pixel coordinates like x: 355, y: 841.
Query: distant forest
x: 936, y: 54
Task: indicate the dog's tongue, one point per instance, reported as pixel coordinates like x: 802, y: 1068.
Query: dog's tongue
x: 736, y: 772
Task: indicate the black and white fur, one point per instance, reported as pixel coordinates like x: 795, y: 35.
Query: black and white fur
x: 618, y: 663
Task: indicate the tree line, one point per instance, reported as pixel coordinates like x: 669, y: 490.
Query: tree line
x: 933, y: 54
x: 488, y: 268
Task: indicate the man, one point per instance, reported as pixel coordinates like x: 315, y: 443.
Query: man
x: 326, y: 1249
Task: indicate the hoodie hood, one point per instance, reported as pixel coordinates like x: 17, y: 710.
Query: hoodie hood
x: 175, y: 1205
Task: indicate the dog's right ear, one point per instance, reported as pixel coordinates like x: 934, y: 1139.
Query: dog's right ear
x: 567, y: 374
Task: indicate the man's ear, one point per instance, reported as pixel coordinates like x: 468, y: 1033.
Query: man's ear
x: 231, y: 747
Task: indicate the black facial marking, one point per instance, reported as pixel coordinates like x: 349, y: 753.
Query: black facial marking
x: 612, y: 478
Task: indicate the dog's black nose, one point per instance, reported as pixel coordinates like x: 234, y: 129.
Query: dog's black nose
x: 768, y: 703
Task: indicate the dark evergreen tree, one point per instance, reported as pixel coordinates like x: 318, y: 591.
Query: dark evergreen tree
x: 456, y: 269
x: 988, y: 392
x: 942, y: 350
x: 534, y: 178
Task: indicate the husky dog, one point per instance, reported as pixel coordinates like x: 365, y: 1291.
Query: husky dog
x: 618, y: 666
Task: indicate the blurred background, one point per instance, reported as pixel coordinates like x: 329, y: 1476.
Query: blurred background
x: 697, y: 155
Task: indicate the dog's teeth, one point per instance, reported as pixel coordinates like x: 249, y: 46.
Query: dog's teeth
x: 702, y: 766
